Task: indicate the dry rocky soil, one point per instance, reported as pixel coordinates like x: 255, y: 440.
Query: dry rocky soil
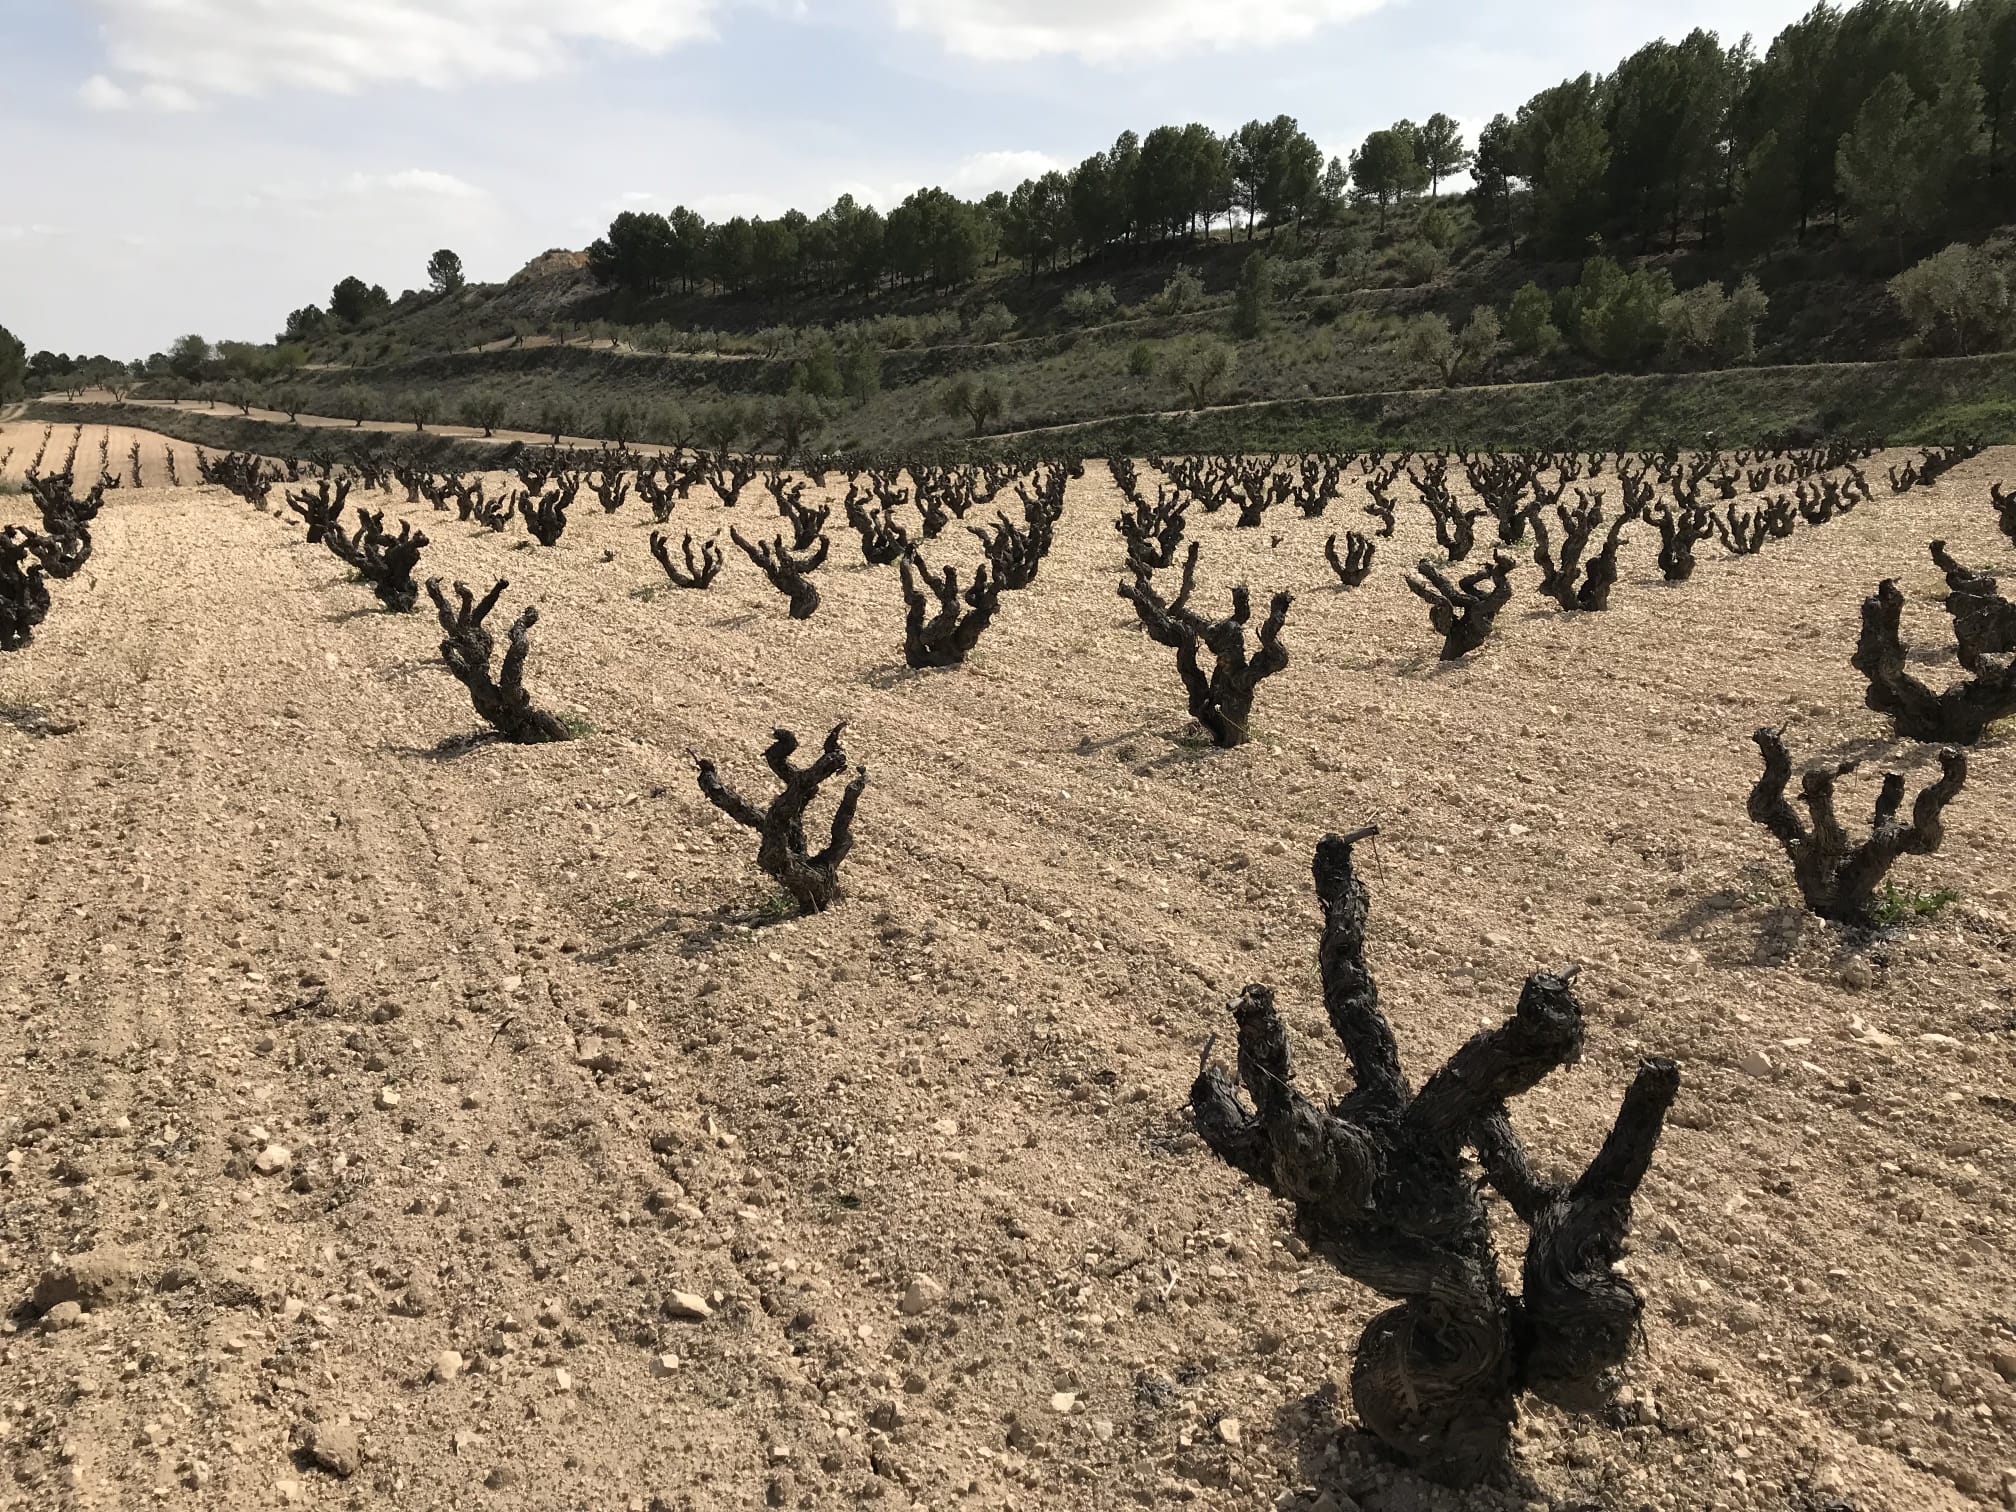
x: 442, y: 1124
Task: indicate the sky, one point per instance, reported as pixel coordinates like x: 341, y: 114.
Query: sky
x: 208, y: 165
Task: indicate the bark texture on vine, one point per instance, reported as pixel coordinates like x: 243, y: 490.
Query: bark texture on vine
x: 322, y: 508
x: 1984, y: 622
x: 942, y: 637
x: 467, y: 648
x: 1958, y: 715
x: 1381, y: 1189
x: 1837, y: 878
x: 547, y: 519
x: 790, y: 575
x: 1463, y: 612
x: 1150, y: 607
x: 811, y: 878
x: 882, y: 540
x: 24, y: 593
x: 701, y: 568
x: 383, y: 560
x: 1356, y: 564
x: 1681, y: 529
x: 1221, y: 700
x: 1565, y: 576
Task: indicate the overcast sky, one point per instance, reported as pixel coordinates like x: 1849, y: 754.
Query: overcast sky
x: 208, y: 165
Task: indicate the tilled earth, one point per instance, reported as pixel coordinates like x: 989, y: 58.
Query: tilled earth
x: 99, y: 449
x: 450, y: 1124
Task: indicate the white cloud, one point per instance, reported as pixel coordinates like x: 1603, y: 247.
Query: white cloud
x: 420, y: 181
x: 408, y: 195
x: 100, y: 93
x: 970, y: 178
x: 169, y: 54
x: 985, y: 172
x: 162, y: 95
x: 884, y: 197
x: 755, y: 204
x: 1112, y: 31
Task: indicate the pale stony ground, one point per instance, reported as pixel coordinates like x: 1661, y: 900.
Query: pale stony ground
x: 407, y: 1099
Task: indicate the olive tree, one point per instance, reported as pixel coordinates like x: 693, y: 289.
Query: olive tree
x: 979, y: 402
x: 1957, y: 300
x: 1202, y: 368
x: 353, y: 403
x: 422, y: 407
x: 484, y: 409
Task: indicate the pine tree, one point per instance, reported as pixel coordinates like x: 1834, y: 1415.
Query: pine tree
x: 1336, y: 184
x: 444, y: 272
x: 13, y: 366
x: 1896, y: 167
x: 1570, y: 177
x: 1994, y: 45
x: 1443, y: 153
x: 1383, y: 169
x: 1495, y: 166
x: 1879, y: 164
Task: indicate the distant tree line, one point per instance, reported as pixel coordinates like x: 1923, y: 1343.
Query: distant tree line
x: 355, y: 305
x: 1174, y: 183
x: 55, y: 370
x: 1891, y: 115
x: 231, y: 371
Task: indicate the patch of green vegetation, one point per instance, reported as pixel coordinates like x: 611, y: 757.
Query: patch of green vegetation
x: 1989, y: 416
x: 1898, y: 400
x: 1901, y: 905
x: 1299, y: 387
x: 777, y: 906
x: 576, y: 726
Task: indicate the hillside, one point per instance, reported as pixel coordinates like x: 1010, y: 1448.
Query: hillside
x: 1828, y: 301
x: 1923, y: 401
x: 1339, y: 313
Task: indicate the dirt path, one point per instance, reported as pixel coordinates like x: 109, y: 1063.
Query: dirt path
x: 534, y: 1072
